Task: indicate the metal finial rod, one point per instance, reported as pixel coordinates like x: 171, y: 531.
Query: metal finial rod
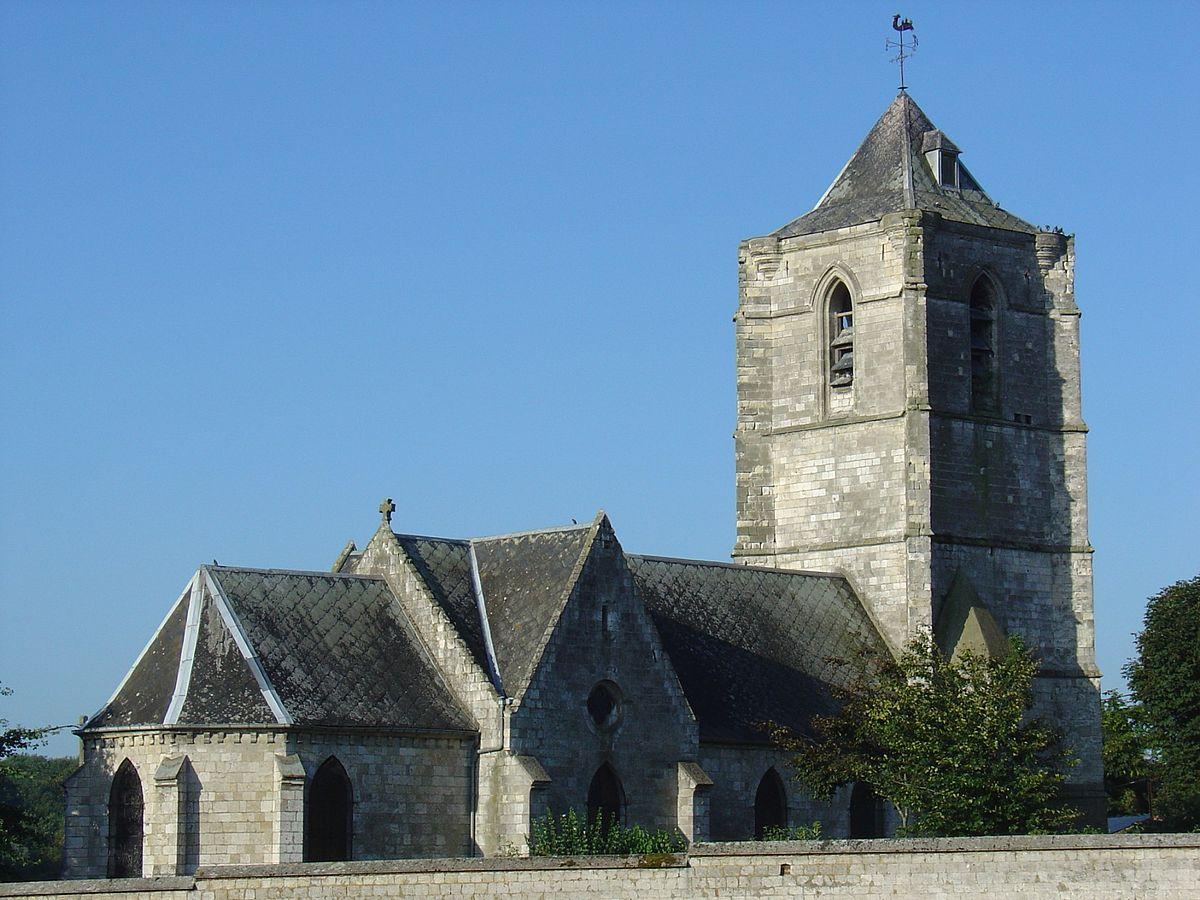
x: 906, y: 50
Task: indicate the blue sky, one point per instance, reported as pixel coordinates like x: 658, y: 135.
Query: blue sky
x: 263, y: 264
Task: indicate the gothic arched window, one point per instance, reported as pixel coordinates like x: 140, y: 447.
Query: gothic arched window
x: 125, y: 824
x: 866, y: 812
x: 841, y: 337
x: 770, y: 804
x: 983, y: 345
x: 329, y: 814
x: 605, y: 796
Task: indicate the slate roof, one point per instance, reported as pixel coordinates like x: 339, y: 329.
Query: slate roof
x: 526, y: 579
x: 755, y: 645
x: 888, y: 173
x: 273, y: 646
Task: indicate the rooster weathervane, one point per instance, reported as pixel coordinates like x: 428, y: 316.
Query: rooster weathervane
x: 906, y: 50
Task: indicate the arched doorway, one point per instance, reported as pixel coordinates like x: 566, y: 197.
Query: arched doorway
x: 866, y: 812
x: 605, y: 796
x: 329, y: 814
x: 770, y: 804
x: 125, y: 824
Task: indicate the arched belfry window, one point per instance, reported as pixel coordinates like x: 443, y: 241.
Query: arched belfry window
x: 605, y: 796
x: 983, y: 345
x: 841, y: 337
x: 770, y: 804
x: 329, y: 814
x: 125, y: 824
x: 866, y: 812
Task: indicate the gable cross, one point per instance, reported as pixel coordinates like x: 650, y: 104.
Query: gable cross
x: 386, y: 508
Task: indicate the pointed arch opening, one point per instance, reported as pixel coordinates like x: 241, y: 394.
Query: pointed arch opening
x: 329, y: 814
x: 770, y: 804
x: 983, y: 307
x: 866, y: 812
x: 125, y: 816
x: 605, y: 797
x: 841, y: 336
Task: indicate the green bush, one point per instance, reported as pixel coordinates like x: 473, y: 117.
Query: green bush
x: 570, y: 834
x: 792, y: 832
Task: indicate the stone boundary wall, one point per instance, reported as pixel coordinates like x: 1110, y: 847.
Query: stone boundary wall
x: 1087, y: 866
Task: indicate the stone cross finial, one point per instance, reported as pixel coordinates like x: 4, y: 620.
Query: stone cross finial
x: 386, y: 508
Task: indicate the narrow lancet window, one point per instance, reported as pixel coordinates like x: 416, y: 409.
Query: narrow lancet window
x: 983, y: 346
x: 866, y: 812
x: 605, y: 799
x: 329, y: 814
x: 770, y: 804
x: 125, y: 824
x: 841, y: 337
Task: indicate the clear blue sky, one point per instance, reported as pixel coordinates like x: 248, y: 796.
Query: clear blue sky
x: 263, y: 264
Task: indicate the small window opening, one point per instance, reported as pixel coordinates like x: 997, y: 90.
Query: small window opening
x: 125, y: 824
x: 983, y: 346
x: 328, y: 814
x: 770, y: 804
x: 948, y: 164
x: 841, y: 337
x: 604, y: 705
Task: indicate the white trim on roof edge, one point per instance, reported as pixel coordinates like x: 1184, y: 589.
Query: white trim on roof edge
x: 187, y: 653
x: 187, y: 590
x: 239, y: 636
x: 481, y: 606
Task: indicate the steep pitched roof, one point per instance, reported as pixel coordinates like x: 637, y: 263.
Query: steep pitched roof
x: 524, y: 579
x: 253, y: 646
x: 888, y: 173
x: 755, y: 645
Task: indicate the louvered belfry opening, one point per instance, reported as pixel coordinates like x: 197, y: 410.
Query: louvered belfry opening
x: 841, y: 337
x: 125, y: 810
x: 770, y: 804
x: 605, y: 796
x: 329, y: 814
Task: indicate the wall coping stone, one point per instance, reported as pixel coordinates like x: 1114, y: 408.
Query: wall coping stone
x: 699, y: 851
x: 998, y: 844
x: 451, y: 864
x: 98, y: 886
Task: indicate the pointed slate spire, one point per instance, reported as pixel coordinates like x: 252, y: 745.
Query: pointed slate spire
x: 889, y: 172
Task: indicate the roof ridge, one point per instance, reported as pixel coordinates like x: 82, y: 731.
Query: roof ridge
x: 741, y: 567
x: 553, y: 529
x: 306, y: 572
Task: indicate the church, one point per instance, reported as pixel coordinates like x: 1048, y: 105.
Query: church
x: 910, y: 454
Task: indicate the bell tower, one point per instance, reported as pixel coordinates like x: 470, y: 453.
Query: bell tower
x: 908, y: 413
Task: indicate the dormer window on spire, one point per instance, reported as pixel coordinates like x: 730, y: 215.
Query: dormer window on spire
x: 942, y: 156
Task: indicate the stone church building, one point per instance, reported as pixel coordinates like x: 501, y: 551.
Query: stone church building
x: 909, y: 455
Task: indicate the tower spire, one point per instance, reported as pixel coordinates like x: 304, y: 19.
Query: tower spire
x: 906, y: 50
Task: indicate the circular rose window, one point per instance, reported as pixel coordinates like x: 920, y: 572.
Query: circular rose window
x: 604, y: 705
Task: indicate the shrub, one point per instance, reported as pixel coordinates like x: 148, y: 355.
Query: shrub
x: 570, y: 834
x: 792, y: 832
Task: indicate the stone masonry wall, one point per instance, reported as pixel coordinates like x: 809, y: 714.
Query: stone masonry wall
x: 1091, y: 867
x: 827, y: 478
x: 411, y: 796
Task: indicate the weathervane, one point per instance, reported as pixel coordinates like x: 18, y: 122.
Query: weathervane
x: 906, y: 50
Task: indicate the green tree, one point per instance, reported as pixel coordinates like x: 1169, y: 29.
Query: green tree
x: 18, y: 829
x: 1165, y: 680
x: 1130, y: 763
x: 949, y: 743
